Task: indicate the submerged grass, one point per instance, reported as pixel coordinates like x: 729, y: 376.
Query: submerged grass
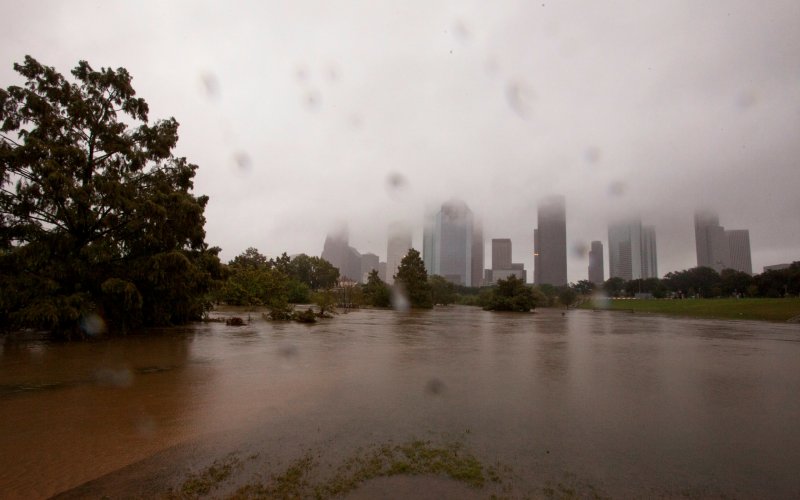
x: 749, y: 309
x: 413, y: 458
x: 201, y: 484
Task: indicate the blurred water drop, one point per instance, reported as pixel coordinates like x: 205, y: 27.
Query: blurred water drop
x: 580, y: 250
x: 355, y: 121
x: 93, y: 325
x: 617, y: 188
x: 600, y: 300
x: 288, y: 351
x: 592, y: 154
x: 146, y: 426
x: 520, y: 97
x: 461, y: 31
x: 396, y: 183
x: 434, y: 387
x: 400, y: 301
x: 746, y: 99
x: 211, y: 85
x: 243, y: 161
x: 312, y: 100
x: 301, y: 74
x: 110, y: 377
x: 333, y: 73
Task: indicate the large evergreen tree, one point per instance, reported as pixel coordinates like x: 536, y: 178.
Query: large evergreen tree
x: 413, y: 278
x: 96, y: 214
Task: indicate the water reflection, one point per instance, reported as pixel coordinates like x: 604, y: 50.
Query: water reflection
x: 630, y: 404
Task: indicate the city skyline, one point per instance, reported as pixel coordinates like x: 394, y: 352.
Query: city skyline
x: 498, y: 112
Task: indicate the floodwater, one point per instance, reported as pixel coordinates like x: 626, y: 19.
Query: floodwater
x: 626, y: 405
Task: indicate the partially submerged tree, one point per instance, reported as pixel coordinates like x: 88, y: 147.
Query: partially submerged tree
x: 413, y: 279
x: 511, y: 294
x: 97, y: 217
x: 376, y: 292
x: 442, y: 291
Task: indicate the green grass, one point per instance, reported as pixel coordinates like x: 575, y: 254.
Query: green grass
x: 751, y: 309
x: 411, y: 459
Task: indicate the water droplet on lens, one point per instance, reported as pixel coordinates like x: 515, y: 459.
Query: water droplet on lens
x: 93, y: 325
x: 434, y: 387
x: 210, y: 84
x: 243, y: 161
x: 617, y: 188
x: 520, y: 97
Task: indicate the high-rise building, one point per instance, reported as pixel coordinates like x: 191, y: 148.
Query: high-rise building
x: 341, y: 255
x: 649, y: 257
x: 448, y: 244
x: 477, y: 253
x: 596, y: 269
x: 502, y: 267
x: 399, y: 243
x: 739, y: 247
x: 720, y: 249
x: 710, y: 242
x: 501, y: 253
x: 632, y: 250
x: 550, y: 242
x: 369, y: 262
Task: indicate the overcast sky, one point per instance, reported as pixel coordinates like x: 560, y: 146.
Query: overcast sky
x: 306, y: 114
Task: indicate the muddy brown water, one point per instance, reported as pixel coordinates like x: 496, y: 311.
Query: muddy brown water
x: 627, y: 405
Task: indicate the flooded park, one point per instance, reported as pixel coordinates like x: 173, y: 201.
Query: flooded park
x: 584, y: 403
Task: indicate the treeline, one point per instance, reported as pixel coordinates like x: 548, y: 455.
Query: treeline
x: 703, y: 282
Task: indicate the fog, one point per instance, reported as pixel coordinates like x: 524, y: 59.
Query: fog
x: 304, y: 115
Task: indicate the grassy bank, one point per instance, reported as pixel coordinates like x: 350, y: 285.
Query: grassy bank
x: 753, y: 309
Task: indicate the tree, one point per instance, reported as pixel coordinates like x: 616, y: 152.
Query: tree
x: 376, y: 292
x: 442, y: 291
x: 614, y: 286
x: 703, y: 281
x: 254, y: 281
x: 732, y: 282
x: 583, y: 287
x: 96, y: 214
x: 413, y: 279
x: 510, y: 294
x: 567, y: 296
x: 317, y: 273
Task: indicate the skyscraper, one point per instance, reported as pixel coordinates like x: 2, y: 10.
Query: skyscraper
x: 477, y: 253
x: 720, y: 249
x: 632, y: 250
x: 710, y: 242
x: 448, y: 244
x: 739, y: 246
x: 501, y: 253
x: 596, y: 269
x: 341, y: 255
x: 369, y: 262
x: 550, y: 242
x: 398, y: 245
x: 502, y: 267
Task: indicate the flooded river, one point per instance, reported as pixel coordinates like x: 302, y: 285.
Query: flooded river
x: 619, y: 404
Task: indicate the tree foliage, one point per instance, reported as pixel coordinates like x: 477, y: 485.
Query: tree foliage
x: 96, y: 213
x: 442, y: 291
x: 376, y: 292
x: 413, y: 279
x: 511, y: 294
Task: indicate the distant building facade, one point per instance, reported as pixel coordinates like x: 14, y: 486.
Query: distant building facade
x: 369, y: 262
x: 632, y: 250
x: 341, y: 255
x: 502, y: 267
x: 448, y: 243
x: 596, y: 267
x: 550, y: 242
x: 720, y: 249
x: 398, y: 245
x: 776, y: 267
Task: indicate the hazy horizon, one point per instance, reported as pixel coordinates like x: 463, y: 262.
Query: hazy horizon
x: 306, y: 115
